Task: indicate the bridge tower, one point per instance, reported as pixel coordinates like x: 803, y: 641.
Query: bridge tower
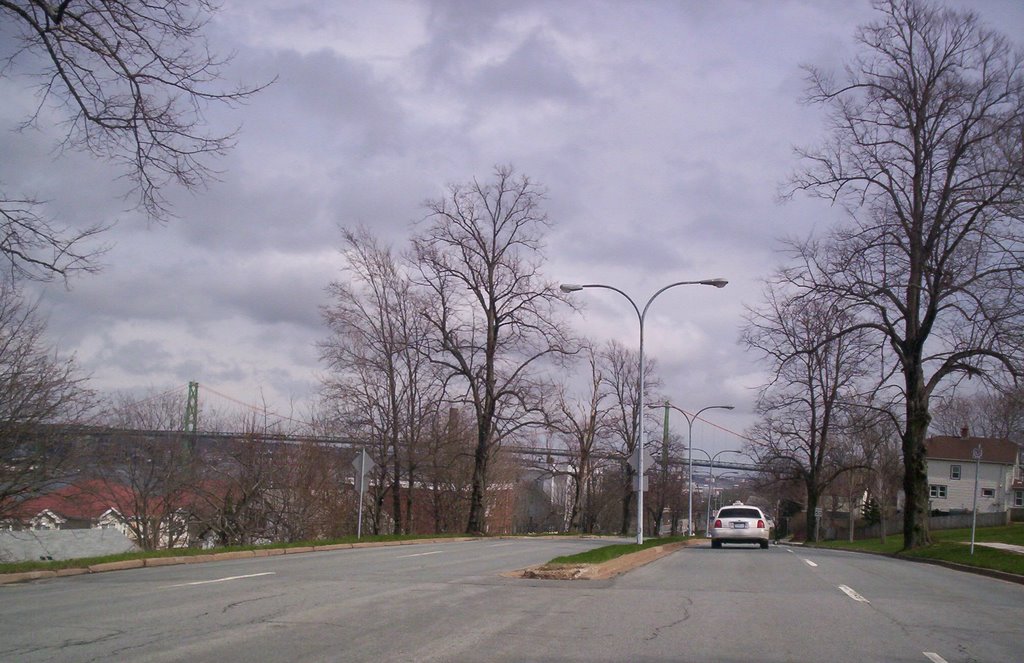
x: 191, y: 422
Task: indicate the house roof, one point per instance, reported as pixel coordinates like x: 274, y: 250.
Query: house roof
x: 85, y: 500
x: 993, y: 449
x: 90, y: 499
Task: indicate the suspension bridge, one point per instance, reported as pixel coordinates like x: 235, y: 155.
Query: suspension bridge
x: 299, y: 432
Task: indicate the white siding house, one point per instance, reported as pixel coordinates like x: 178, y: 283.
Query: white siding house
x: 951, y: 471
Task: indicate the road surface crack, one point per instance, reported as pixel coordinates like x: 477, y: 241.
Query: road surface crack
x: 685, y: 616
x: 258, y: 598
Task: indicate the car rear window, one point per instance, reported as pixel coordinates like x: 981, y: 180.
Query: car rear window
x: 739, y: 513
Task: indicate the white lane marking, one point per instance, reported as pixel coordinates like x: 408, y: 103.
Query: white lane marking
x: 432, y: 552
x: 210, y: 582
x: 809, y: 562
x: 498, y: 545
x: 853, y: 595
x: 933, y: 657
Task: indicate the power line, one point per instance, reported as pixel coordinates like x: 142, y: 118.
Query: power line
x: 721, y: 428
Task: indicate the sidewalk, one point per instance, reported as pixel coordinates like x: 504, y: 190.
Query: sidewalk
x: 1002, y: 546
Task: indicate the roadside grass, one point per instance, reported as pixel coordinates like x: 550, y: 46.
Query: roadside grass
x: 985, y: 558
x: 606, y: 553
x: 82, y: 562
x: 952, y: 546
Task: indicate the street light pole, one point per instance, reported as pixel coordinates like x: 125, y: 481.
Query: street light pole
x: 712, y: 472
x: 689, y: 453
x: 641, y: 316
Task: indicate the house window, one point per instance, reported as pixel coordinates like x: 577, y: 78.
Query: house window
x: 954, y: 471
x: 1018, y: 498
x: 936, y: 490
x: 988, y: 492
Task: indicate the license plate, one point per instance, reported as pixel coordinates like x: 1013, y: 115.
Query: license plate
x: 739, y: 526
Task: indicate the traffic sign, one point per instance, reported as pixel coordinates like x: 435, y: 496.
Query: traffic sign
x: 362, y: 464
x: 648, y: 460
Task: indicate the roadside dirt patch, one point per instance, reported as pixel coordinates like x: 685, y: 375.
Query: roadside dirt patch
x: 603, y: 571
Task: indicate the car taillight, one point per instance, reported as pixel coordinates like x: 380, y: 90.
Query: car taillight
x: 718, y: 523
x: 760, y: 524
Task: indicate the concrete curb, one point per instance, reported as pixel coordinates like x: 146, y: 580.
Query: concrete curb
x: 26, y: 576
x: 117, y: 566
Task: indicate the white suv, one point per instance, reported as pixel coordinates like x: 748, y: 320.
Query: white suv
x: 740, y: 523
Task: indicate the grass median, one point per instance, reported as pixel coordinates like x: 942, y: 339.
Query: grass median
x: 608, y: 553
x: 952, y: 546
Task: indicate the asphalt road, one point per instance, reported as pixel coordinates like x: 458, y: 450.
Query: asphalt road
x: 448, y: 602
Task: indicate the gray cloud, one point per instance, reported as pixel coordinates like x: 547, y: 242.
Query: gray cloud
x: 661, y: 131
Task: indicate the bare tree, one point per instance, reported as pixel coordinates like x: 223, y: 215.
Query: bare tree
x: 581, y: 423
x: 926, y: 150
x: 308, y: 500
x: 150, y: 481
x: 39, y: 391
x: 233, y: 504
x: 995, y: 413
x: 448, y: 468
x: 132, y: 82
x: 812, y: 386
x: 668, y: 487
x: 492, y: 314
x: 622, y: 379
x: 375, y: 354
x: 878, y: 437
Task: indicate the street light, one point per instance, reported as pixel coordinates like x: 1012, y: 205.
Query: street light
x: 641, y: 315
x: 712, y: 473
x: 689, y: 452
x: 712, y: 490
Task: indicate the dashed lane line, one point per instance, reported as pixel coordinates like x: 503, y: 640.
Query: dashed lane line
x: 933, y: 657
x: 852, y: 594
x: 229, y: 578
x: 423, y: 554
x: 809, y: 563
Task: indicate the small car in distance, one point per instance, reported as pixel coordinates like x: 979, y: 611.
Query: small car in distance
x: 740, y: 523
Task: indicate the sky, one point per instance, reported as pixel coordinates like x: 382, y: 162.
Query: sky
x: 662, y: 132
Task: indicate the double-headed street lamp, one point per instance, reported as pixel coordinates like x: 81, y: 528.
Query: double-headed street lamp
x: 711, y: 473
x: 689, y: 453
x: 641, y: 315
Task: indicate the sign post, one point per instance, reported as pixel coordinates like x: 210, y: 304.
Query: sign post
x: 362, y: 464
x: 976, y: 455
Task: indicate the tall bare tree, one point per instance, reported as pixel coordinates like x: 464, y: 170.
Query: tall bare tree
x: 622, y: 379
x: 926, y: 151
x: 582, y: 423
x: 38, y: 388
x: 132, y: 82
x: 493, y: 315
x: 812, y: 388
x: 376, y: 357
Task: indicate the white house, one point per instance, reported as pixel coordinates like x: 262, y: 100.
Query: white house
x: 951, y: 471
